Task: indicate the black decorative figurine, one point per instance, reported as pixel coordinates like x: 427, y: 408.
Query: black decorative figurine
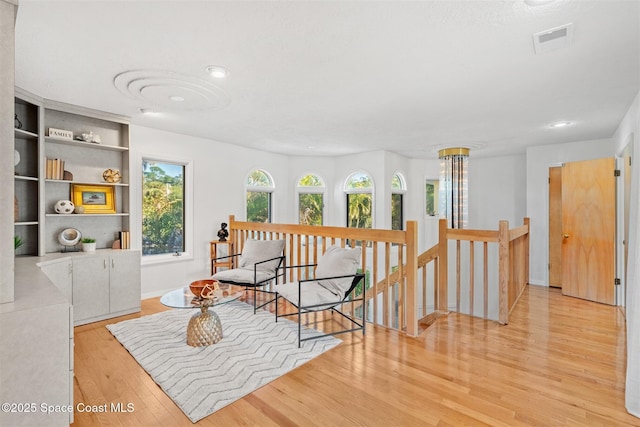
x: 16, y: 122
x: 223, y: 233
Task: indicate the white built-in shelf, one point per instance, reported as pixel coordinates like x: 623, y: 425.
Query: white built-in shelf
x: 91, y: 145
x: 25, y: 178
x: 92, y: 214
x: 24, y: 134
x: 64, y: 181
x: 26, y: 223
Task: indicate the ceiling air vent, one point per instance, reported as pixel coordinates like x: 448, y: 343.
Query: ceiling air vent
x: 555, y: 38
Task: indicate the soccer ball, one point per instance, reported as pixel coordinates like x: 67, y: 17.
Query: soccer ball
x: 64, y: 207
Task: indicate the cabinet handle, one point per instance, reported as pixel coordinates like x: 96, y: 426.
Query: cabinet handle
x: 113, y: 263
x: 105, y: 263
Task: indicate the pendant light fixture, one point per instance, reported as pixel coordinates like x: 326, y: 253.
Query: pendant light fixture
x: 454, y: 163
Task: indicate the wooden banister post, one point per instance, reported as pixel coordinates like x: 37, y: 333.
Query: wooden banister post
x: 443, y: 268
x: 412, y: 276
x: 503, y: 272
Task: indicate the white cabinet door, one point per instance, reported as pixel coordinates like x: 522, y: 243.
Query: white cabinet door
x: 90, y: 286
x: 60, y: 273
x: 125, y: 281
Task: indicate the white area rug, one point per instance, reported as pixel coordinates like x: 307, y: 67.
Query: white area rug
x: 254, y: 351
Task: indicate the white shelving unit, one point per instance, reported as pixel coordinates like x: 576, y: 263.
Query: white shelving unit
x: 86, y: 161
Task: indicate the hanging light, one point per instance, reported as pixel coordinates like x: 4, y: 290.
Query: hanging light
x: 454, y: 163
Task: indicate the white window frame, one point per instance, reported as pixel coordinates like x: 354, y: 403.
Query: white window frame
x: 369, y: 190
x: 188, y: 211
x: 261, y: 189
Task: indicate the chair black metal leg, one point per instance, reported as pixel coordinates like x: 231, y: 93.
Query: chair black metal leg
x: 299, y: 326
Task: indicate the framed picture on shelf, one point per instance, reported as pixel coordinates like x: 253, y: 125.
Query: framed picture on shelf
x: 95, y: 199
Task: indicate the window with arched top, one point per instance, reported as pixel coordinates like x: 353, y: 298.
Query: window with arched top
x: 259, y: 186
x: 311, y: 190
x: 359, y: 191
x: 398, y: 188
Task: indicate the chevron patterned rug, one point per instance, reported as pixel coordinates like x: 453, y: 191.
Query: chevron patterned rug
x: 200, y: 380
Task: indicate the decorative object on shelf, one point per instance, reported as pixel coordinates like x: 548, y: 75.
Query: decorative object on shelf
x: 16, y: 157
x: 64, y: 207
x: 16, y: 122
x: 60, y: 133
x: 223, y: 233
x: 94, y: 198
x: 16, y: 209
x: 69, y: 237
x: 111, y: 175
x: 89, y: 137
x: 116, y: 244
x: 67, y: 176
x: 88, y: 244
x: 79, y: 210
x: 17, y: 242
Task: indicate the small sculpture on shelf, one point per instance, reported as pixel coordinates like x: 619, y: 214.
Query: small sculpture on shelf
x: 89, y: 137
x: 16, y: 122
x: 69, y: 238
x: 223, y: 233
x: 64, y: 207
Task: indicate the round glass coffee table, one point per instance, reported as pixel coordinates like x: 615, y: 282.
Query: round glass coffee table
x: 204, y: 327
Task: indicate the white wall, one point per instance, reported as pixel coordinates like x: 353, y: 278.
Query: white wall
x: 7, y: 20
x: 496, y: 191
x: 539, y: 159
x: 219, y: 174
x: 630, y: 128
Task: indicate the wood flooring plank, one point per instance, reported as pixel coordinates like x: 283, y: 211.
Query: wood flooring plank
x: 559, y: 362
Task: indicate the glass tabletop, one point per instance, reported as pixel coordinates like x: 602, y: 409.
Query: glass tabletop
x: 184, y: 298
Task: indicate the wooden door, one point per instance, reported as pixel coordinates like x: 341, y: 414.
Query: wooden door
x: 555, y: 226
x: 588, y: 224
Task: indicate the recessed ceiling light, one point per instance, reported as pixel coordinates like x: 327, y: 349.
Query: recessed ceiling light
x: 217, y: 72
x: 560, y: 124
x: 176, y: 98
x: 147, y: 111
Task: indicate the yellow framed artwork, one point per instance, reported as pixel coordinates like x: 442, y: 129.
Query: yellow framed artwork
x: 95, y: 199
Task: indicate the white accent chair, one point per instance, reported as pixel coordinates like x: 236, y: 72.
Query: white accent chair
x: 336, y: 278
x: 258, y: 266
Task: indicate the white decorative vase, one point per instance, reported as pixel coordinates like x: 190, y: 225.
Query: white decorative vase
x: 89, y: 247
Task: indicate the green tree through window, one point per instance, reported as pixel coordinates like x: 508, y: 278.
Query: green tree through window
x: 359, y: 188
x: 397, y: 213
x: 162, y: 208
x: 310, y: 200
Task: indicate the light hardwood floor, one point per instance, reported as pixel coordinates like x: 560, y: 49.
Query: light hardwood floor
x: 559, y: 362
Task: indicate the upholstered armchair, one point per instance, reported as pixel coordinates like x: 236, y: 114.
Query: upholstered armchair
x: 336, y: 278
x: 257, y: 267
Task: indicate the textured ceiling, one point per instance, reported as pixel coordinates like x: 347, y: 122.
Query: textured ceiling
x: 339, y: 77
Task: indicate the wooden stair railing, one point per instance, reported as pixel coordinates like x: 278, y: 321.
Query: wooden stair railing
x: 399, y: 291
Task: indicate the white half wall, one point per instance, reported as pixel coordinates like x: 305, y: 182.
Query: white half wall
x: 539, y: 159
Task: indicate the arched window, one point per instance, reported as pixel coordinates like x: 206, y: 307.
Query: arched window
x: 398, y: 188
x: 310, y: 189
x: 359, y: 190
x: 259, y: 186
